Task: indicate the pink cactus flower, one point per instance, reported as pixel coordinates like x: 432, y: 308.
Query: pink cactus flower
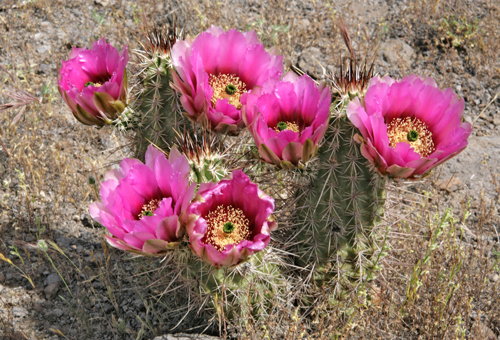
x: 94, y: 83
x: 214, y: 71
x: 287, y: 119
x: 410, y: 126
x: 141, y: 203
x: 229, y: 221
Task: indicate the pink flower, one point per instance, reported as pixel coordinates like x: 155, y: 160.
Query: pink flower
x: 410, y: 126
x: 287, y: 119
x: 230, y: 220
x: 141, y: 203
x: 214, y: 71
x: 94, y: 83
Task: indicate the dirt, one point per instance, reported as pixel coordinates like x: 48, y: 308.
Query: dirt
x: 91, y: 291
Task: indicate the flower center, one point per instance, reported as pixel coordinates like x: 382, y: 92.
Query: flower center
x: 93, y: 84
x: 287, y: 126
x: 149, y: 208
x: 226, y: 225
x: 227, y: 86
x: 413, y: 131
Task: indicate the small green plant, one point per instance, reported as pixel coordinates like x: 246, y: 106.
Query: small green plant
x: 269, y: 34
x: 459, y: 31
x: 98, y: 18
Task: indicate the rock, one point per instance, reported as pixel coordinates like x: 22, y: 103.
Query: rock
x: 469, y: 166
x: 105, y: 3
x: 43, y: 49
x: 39, y: 36
x: 54, y: 314
x: 396, y: 51
x: 51, y: 290
x: 183, y: 336
x: 494, y: 277
x: 52, y: 278
x: 450, y: 184
x: 45, y: 69
x: 310, y: 60
x: 483, y: 332
x: 19, y: 312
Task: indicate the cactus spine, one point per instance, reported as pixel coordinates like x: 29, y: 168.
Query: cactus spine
x: 339, y: 209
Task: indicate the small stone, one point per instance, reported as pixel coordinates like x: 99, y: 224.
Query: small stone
x: 76, y: 218
x: 39, y: 36
x: 54, y: 314
x: 43, y: 49
x: 496, y: 121
x: 396, y: 51
x: 468, y: 119
x: 52, y: 278
x: 19, y: 312
x: 51, y: 290
x: 494, y: 277
x: 310, y: 61
x: 451, y: 184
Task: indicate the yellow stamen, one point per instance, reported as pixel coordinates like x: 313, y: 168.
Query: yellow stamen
x: 217, y: 219
x: 289, y: 126
x: 399, y: 128
x: 149, y: 208
x: 220, y: 85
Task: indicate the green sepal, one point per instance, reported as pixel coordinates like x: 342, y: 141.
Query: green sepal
x: 308, y: 150
x: 102, y: 101
x: 86, y: 117
x: 266, y: 152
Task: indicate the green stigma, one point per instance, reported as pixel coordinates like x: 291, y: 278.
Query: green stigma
x: 282, y: 126
x: 148, y: 213
x: 89, y: 83
x: 230, y: 89
x: 412, y: 135
x: 228, y: 227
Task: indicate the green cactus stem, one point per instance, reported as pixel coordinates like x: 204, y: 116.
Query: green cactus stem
x: 157, y: 109
x: 248, y: 289
x: 339, y: 210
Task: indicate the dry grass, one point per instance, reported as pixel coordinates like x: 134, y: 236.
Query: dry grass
x: 439, y: 280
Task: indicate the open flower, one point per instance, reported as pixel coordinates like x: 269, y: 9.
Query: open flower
x: 410, y: 126
x: 230, y: 220
x: 288, y: 119
x: 214, y: 71
x: 94, y: 83
x: 141, y: 203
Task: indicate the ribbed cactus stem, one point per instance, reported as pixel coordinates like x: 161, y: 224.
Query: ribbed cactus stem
x: 338, y: 211
x: 157, y: 107
x: 246, y: 289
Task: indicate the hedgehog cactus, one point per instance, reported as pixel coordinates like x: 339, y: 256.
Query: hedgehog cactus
x: 344, y: 152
